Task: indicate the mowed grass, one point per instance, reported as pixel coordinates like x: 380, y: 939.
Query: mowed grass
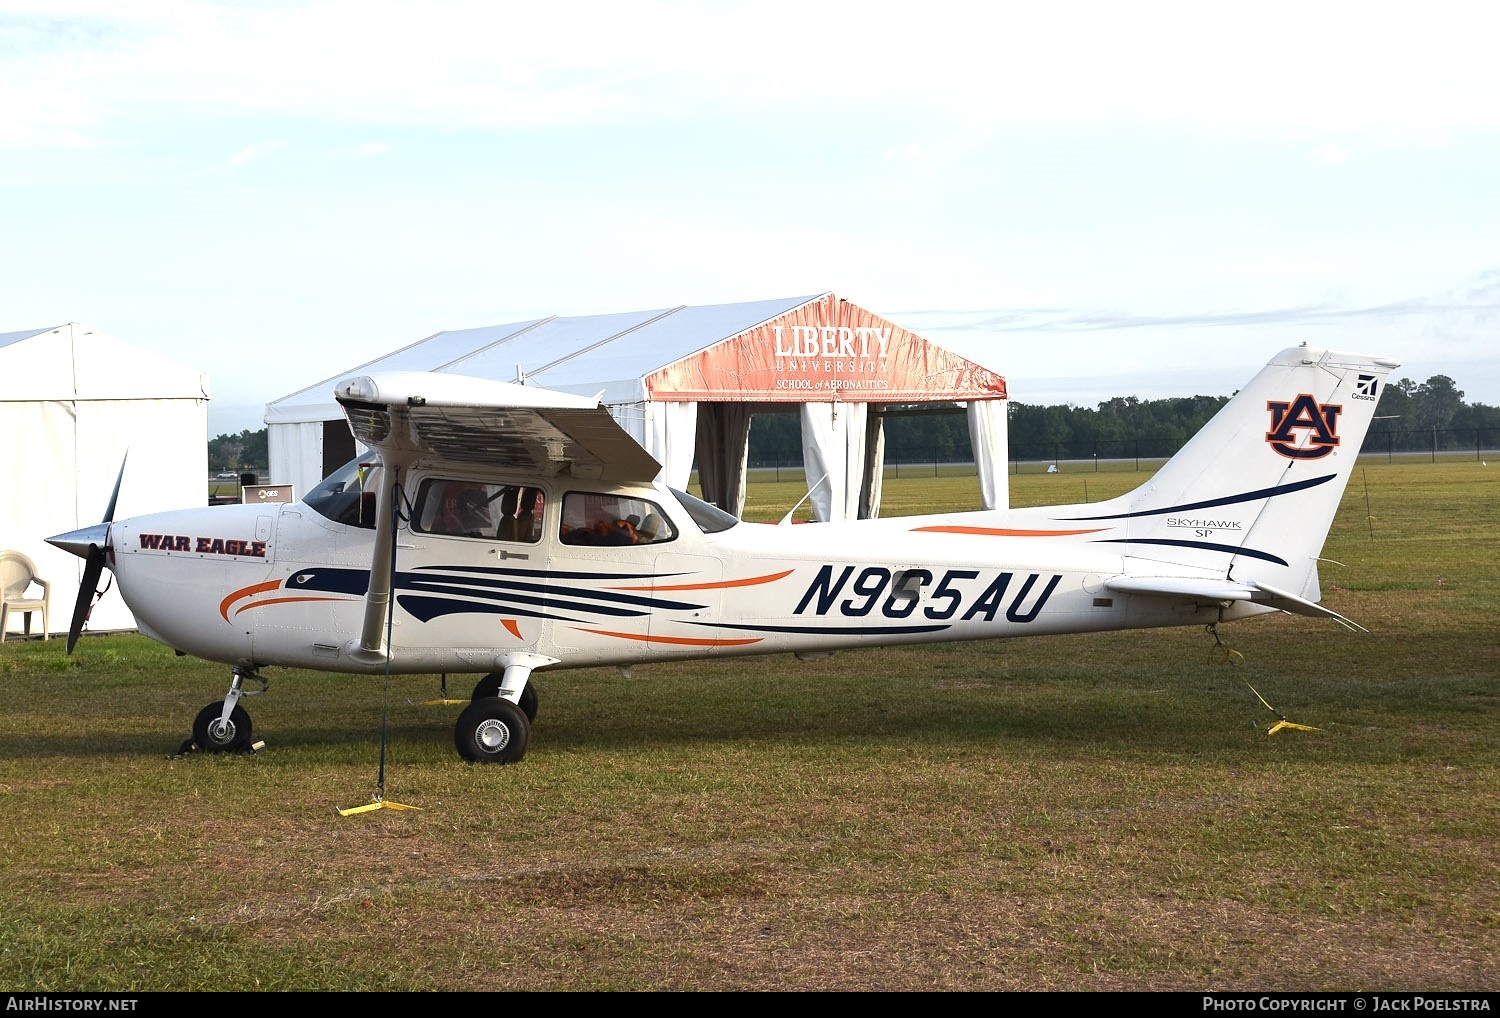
x: 1100, y: 812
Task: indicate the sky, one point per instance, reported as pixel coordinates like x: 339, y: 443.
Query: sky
x: 1093, y: 199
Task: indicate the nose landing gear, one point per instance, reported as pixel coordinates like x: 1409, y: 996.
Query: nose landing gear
x: 224, y: 726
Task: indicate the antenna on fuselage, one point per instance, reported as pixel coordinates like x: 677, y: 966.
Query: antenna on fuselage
x: 788, y: 517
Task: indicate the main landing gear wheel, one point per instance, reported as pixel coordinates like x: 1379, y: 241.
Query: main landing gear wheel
x: 490, y: 686
x: 231, y: 737
x: 492, y: 730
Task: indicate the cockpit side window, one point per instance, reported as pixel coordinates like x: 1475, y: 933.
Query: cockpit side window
x: 593, y: 518
x: 709, y: 517
x: 348, y: 494
x: 468, y: 508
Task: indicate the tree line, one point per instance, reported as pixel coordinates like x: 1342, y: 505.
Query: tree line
x: 248, y: 452
x: 1410, y: 417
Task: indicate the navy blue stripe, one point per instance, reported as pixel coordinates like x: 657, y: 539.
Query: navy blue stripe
x: 1249, y: 496
x: 1227, y: 549
x: 455, y: 584
x: 338, y: 581
x: 556, y: 574
x: 428, y: 608
x: 824, y: 630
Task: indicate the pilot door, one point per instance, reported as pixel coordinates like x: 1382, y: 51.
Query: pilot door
x: 476, y: 573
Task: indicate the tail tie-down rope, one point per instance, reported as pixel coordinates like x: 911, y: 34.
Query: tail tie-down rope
x: 1223, y: 654
x: 1281, y: 722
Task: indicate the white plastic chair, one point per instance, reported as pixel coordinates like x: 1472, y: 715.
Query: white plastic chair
x: 17, y: 574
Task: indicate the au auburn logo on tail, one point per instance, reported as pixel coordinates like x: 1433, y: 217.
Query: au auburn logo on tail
x: 1319, y: 420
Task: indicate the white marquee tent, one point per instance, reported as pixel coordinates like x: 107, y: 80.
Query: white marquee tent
x: 73, y: 402
x: 685, y: 382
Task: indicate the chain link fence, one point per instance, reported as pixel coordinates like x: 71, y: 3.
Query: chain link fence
x: 1434, y: 444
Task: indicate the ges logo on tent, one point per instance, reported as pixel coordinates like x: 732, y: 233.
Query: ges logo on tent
x: 1319, y: 421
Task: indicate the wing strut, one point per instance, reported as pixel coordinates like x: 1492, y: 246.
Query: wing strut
x: 372, y: 645
x: 383, y: 574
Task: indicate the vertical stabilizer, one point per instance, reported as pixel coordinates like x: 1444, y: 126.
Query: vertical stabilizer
x: 1251, y: 497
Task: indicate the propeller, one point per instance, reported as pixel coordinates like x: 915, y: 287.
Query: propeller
x: 91, y: 545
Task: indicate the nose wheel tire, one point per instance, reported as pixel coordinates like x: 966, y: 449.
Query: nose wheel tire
x: 232, y: 736
x: 492, y: 730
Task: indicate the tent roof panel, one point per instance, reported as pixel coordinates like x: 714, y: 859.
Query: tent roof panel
x: 431, y: 354
x: 7, y: 338
x: 658, y: 342
x: 75, y: 362
x: 609, y: 355
x: 552, y: 342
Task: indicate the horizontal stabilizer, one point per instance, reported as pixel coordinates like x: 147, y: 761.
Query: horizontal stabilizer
x: 1289, y: 602
x: 1210, y: 590
x: 1182, y: 587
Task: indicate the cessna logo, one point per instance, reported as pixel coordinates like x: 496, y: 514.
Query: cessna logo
x: 1318, y: 421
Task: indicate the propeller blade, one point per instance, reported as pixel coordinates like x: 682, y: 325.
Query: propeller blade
x: 89, y: 544
x: 93, y: 567
x: 114, y: 496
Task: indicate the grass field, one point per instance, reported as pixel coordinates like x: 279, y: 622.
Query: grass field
x: 1099, y: 812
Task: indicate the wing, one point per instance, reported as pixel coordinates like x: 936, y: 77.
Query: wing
x: 470, y: 421
x: 1207, y: 590
x: 437, y: 418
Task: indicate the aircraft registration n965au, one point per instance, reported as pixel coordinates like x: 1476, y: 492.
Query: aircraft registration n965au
x: 500, y: 529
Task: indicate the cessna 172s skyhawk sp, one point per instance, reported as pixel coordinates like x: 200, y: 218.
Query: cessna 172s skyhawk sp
x: 498, y: 529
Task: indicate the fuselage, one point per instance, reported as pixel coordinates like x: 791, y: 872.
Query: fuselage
x: 286, y: 585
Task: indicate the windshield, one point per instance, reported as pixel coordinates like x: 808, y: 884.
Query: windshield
x: 710, y: 518
x: 348, y: 494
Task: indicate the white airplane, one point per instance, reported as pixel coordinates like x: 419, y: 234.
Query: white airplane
x: 500, y: 529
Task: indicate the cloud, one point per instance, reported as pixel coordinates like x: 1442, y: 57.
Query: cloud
x: 251, y: 153
x: 1080, y: 355
x: 1328, y: 154
x: 1479, y: 298
x: 74, y: 66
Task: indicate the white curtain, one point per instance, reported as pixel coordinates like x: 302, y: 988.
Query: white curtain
x: 990, y: 436
x: 675, y: 428
x: 667, y: 431
x: 833, y: 458
x: 874, y: 468
x: 296, y: 453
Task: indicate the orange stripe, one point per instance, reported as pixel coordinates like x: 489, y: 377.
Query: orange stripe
x: 1005, y: 532
x: 682, y: 641
x: 512, y: 628
x: 284, y: 600
x: 245, y: 592
x: 716, y: 585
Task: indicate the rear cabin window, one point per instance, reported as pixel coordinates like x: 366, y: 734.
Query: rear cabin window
x: 460, y: 508
x: 594, y: 519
